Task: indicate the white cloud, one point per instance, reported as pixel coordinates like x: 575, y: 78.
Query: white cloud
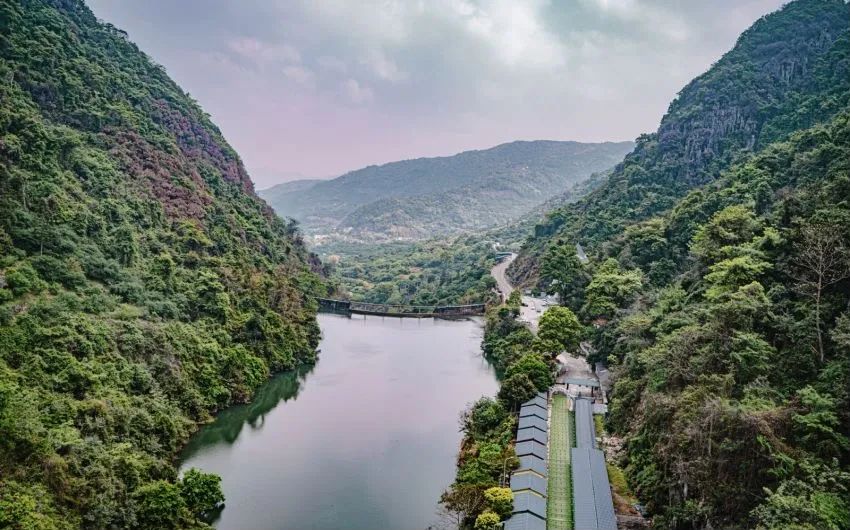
x: 379, y: 80
x: 515, y: 31
x: 384, y: 67
x: 332, y: 63
x: 263, y: 53
x: 660, y: 20
x: 356, y: 92
x: 299, y: 74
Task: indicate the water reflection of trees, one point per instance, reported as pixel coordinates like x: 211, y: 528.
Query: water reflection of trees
x: 229, y: 423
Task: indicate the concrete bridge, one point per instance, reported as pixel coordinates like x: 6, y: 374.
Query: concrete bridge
x: 399, y: 310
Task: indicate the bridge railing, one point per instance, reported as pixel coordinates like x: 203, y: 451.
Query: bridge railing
x: 400, y: 309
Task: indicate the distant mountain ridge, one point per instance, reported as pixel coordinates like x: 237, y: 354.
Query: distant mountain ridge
x: 427, y: 196
x: 290, y: 186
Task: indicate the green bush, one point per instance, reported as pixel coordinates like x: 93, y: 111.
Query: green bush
x: 500, y: 500
x: 487, y: 520
x: 22, y: 278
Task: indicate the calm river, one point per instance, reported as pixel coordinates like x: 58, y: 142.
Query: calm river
x: 366, y: 440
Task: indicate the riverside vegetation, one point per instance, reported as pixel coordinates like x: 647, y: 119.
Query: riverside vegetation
x: 143, y: 285
x: 525, y: 363
x: 435, y: 272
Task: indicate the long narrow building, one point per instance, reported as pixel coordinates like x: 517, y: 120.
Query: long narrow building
x: 529, y: 482
x: 592, y: 501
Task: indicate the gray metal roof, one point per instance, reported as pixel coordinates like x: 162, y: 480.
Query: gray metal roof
x: 528, y: 481
x: 592, y: 502
x: 533, y: 421
x: 540, y: 400
x: 529, y: 502
x: 605, y: 516
x: 533, y: 410
x: 585, y: 429
x: 531, y: 433
x: 533, y: 463
x: 525, y: 521
x: 531, y: 448
x: 583, y: 382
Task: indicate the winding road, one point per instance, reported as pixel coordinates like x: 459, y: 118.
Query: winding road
x: 532, y: 307
x: 498, y: 272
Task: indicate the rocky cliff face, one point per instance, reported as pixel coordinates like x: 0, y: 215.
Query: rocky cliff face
x: 724, y: 110
x: 790, y: 70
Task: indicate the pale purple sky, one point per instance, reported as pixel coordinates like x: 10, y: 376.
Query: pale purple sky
x: 315, y: 88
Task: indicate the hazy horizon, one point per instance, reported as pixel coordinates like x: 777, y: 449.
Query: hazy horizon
x: 294, y: 177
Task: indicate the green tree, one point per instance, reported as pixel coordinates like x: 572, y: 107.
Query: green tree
x: 731, y: 226
x: 125, y: 245
x: 517, y: 389
x: 201, y: 492
x: 532, y: 365
x: 565, y: 273
x: 610, y: 289
x: 561, y: 326
x: 729, y: 275
x: 817, y: 500
x: 817, y: 425
x: 29, y: 510
x: 160, y: 505
x: 483, y: 418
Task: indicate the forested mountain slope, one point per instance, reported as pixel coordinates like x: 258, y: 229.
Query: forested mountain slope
x: 790, y: 70
x: 143, y: 285
x: 732, y: 378
x: 428, y: 196
x: 719, y: 284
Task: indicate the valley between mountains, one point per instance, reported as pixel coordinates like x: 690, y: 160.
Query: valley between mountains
x: 679, y: 303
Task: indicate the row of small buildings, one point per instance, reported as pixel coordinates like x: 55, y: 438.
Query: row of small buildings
x: 530, y: 480
x: 593, y: 506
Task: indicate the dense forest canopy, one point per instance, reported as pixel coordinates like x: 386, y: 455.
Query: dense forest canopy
x: 143, y: 285
x: 434, y: 272
x: 719, y: 283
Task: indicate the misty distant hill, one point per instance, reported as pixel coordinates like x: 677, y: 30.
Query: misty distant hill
x: 288, y: 187
x: 427, y: 196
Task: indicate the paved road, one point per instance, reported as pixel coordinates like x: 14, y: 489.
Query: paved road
x: 498, y: 272
x: 577, y: 367
x: 531, y: 308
